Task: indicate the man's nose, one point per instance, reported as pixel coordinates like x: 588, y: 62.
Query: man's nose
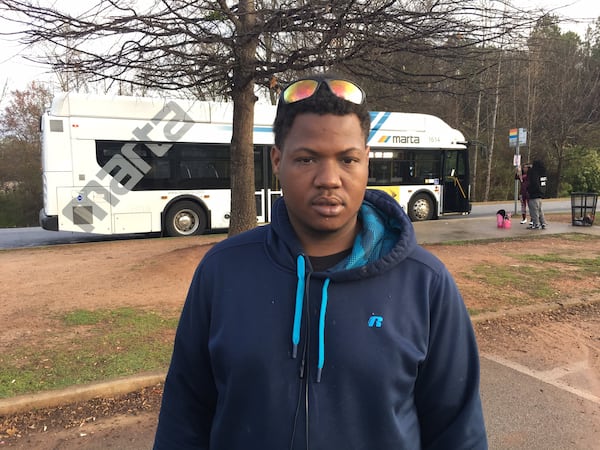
x: 328, y: 174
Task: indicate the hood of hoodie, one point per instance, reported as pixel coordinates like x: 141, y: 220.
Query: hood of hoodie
x: 387, y: 237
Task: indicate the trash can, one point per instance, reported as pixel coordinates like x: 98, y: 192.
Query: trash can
x: 583, y: 208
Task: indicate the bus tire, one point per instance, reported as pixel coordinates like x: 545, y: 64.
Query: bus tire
x: 420, y: 208
x: 185, y: 218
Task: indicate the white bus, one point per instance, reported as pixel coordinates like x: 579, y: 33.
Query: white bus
x: 422, y: 162
x: 116, y: 164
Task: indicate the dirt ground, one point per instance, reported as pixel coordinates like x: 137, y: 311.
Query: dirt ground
x: 561, y: 328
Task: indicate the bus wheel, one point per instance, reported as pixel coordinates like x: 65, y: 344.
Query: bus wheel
x: 420, y: 208
x: 185, y: 218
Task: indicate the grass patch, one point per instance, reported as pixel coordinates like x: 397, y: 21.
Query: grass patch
x: 579, y: 237
x: 589, y: 266
x: 89, y: 346
x: 573, y: 237
x: 476, y: 311
x: 531, y: 278
x: 508, y: 280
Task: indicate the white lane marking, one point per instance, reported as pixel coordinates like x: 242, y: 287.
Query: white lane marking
x: 549, y: 376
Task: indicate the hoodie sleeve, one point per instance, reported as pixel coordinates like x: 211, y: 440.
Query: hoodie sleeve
x: 189, y: 396
x: 447, y: 388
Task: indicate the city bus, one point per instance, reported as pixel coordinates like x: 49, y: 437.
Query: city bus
x: 119, y: 164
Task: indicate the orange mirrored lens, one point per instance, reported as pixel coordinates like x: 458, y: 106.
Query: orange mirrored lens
x: 346, y: 90
x: 300, y: 90
x: 303, y: 89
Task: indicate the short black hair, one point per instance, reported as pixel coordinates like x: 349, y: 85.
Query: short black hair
x: 321, y: 102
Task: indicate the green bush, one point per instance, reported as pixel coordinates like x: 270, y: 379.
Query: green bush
x: 20, y: 208
x: 583, y: 171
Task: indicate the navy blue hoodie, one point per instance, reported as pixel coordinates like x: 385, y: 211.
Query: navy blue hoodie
x: 376, y: 353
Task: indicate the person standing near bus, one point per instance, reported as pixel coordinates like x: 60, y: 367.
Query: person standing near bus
x: 536, y: 189
x: 330, y: 327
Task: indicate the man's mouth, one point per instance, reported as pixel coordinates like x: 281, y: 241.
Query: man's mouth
x: 328, y: 206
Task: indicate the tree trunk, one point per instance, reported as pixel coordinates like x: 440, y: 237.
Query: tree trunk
x: 494, y: 118
x: 477, y: 144
x: 243, y: 204
x: 560, y: 159
x: 531, y: 106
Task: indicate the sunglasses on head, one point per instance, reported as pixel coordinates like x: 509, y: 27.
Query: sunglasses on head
x: 303, y: 89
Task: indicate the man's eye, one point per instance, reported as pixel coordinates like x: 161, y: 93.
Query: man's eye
x: 349, y: 160
x: 306, y: 160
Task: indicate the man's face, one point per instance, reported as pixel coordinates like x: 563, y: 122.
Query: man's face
x: 323, y: 169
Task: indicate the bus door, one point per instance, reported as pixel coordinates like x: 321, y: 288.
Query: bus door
x: 267, y: 184
x: 456, y: 182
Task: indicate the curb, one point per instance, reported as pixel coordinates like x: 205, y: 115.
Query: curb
x: 74, y: 394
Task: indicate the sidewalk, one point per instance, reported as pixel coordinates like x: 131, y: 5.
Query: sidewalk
x: 467, y: 228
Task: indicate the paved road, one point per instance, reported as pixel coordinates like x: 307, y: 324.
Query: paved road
x: 525, y: 413
x: 36, y: 237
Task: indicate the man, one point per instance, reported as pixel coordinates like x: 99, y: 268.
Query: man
x: 536, y: 187
x: 330, y: 328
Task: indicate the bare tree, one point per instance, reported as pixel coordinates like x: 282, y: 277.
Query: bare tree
x: 20, y: 119
x: 568, y: 83
x: 221, y: 50
x: 20, y: 165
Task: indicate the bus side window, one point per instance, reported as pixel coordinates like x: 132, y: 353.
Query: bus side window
x: 160, y: 169
x: 397, y: 172
x: 379, y: 171
x: 198, y: 169
x: 184, y: 171
x: 208, y: 170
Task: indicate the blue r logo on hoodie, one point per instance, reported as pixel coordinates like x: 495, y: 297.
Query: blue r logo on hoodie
x: 375, y: 321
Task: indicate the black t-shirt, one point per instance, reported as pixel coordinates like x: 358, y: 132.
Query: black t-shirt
x: 322, y: 263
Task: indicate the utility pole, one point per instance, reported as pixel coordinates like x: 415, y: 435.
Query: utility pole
x: 516, y: 137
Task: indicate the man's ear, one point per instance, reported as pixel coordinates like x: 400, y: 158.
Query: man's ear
x: 275, y: 159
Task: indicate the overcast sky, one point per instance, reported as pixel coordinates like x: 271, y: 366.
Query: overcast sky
x: 16, y: 72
